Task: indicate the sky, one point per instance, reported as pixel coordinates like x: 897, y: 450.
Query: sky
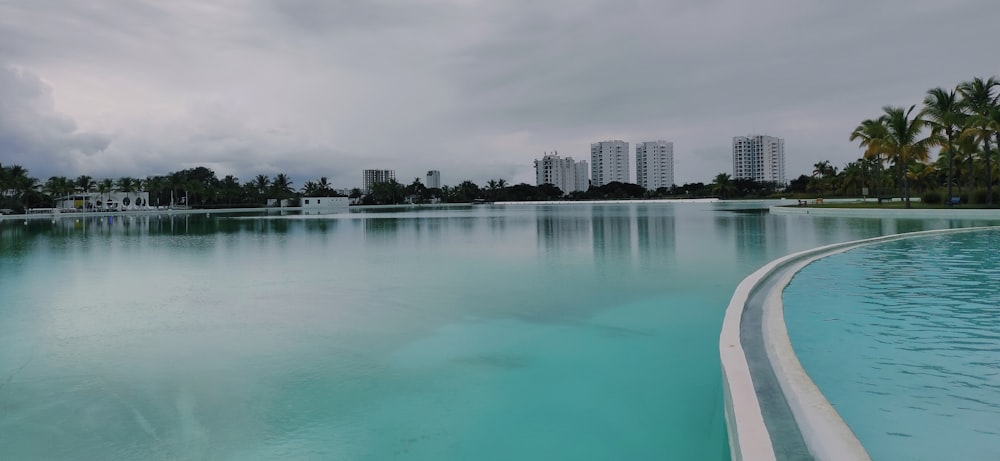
x: 475, y: 89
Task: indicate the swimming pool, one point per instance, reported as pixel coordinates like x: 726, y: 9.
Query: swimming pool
x: 903, y: 339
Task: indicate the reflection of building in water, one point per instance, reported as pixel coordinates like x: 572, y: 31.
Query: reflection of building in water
x: 558, y: 232
x: 612, y: 229
x: 758, y: 232
x: 656, y: 238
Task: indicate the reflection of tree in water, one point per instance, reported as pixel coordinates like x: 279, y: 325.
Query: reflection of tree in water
x: 319, y: 225
x: 380, y: 228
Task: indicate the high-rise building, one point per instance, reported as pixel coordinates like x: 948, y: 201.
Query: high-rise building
x: 654, y: 164
x: 433, y: 179
x: 565, y: 173
x: 376, y: 176
x: 759, y: 157
x: 608, y: 162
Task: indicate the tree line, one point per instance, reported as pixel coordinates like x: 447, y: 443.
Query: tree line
x: 963, y: 122
x: 200, y: 188
x: 195, y: 187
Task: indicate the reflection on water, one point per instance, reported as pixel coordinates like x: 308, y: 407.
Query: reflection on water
x: 580, y: 331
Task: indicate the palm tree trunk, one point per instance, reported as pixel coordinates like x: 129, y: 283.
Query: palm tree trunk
x: 989, y: 171
x: 951, y: 165
x: 906, y: 190
x: 997, y: 134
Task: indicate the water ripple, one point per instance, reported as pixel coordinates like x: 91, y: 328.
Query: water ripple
x: 911, y: 328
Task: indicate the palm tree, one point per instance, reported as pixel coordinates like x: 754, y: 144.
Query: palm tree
x: 229, y: 188
x: 156, y: 185
x: 104, y: 187
x: 903, y: 145
x: 281, y: 187
x: 260, y: 184
x: 944, y: 111
x: 16, y: 181
x: 823, y: 171
x: 853, y: 176
x: 85, y: 183
x: 57, y: 187
x: 723, y: 185
x: 125, y: 184
x: 871, y: 134
x: 978, y: 99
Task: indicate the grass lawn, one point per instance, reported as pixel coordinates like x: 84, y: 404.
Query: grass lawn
x: 896, y: 204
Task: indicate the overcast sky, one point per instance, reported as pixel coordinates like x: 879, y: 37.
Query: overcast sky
x: 475, y: 89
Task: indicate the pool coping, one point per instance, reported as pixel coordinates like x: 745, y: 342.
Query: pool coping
x: 824, y: 432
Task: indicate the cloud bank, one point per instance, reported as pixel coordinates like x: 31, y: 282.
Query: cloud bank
x: 474, y: 89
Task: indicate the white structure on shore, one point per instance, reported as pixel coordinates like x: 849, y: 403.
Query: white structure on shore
x: 759, y: 157
x: 433, y: 180
x: 608, y: 162
x: 565, y: 173
x: 654, y: 164
x: 311, y: 205
x: 110, y: 201
x: 376, y: 176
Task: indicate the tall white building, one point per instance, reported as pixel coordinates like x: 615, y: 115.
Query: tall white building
x: 433, y: 180
x: 654, y: 164
x: 565, y: 173
x: 759, y: 157
x: 608, y: 162
x: 375, y: 176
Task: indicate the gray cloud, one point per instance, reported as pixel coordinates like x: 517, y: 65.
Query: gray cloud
x: 32, y: 133
x: 474, y: 89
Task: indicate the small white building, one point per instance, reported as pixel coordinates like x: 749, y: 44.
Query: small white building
x: 324, y: 204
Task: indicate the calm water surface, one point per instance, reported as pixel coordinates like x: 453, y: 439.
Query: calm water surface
x: 489, y: 333
x: 904, y: 340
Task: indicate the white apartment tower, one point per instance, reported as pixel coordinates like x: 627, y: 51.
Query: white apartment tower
x: 608, y: 162
x: 654, y: 164
x: 433, y: 179
x: 565, y: 173
x: 760, y: 158
x: 376, y: 176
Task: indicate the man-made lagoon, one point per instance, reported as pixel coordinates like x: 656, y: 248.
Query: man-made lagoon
x: 581, y: 331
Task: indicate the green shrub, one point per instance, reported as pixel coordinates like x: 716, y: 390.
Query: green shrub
x: 979, y: 196
x: 932, y: 197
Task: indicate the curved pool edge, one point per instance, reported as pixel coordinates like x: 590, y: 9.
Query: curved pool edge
x: 823, y: 431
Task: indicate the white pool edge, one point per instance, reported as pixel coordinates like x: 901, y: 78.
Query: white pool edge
x: 825, y: 433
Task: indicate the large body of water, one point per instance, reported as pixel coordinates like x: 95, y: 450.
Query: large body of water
x: 491, y: 332
x: 903, y: 338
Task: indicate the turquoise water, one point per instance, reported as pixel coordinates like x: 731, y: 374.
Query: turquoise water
x: 490, y: 332
x: 903, y: 338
